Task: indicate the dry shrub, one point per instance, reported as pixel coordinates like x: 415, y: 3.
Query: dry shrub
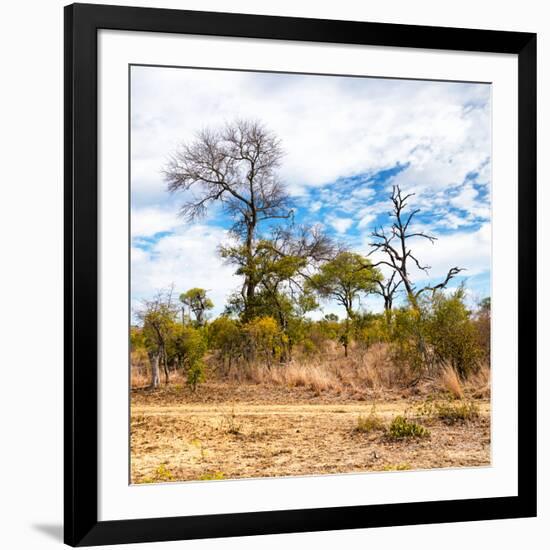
x: 450, y: 382
x: 139, y: 368
x: 139, y: 377
x: 378, y: 372
x: 479, y: 383
x: 314, y: 377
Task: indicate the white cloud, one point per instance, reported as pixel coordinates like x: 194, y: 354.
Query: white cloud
x: 363, y: 192
x: 366, y: 220
x: 468, y: 199
x: 315, y: 206
x: 470, y: 250
x: 341, y: 225
x: 148, y: 221
x: 187, y: 258
x: 330, y: 127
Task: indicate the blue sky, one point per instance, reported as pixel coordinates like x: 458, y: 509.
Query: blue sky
x: 347, y: 141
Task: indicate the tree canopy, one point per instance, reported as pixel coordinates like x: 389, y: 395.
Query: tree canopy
x: 198, y: 303
x: 344, y: 278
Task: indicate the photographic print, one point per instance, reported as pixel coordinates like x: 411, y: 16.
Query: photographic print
x: 310, y: 274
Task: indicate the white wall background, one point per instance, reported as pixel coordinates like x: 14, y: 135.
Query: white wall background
x: 31, y: 270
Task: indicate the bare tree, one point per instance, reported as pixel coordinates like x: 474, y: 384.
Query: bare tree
x: 235, y: 166
x: 387, y: 290
x: 394, y: 244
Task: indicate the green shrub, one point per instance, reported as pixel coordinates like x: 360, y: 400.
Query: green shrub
x: 453, y: 412
x: 195, y: 375
x: 370, y: 423
x: 396, y: 467
x: 188, y: 346
x: 453, y: 334
x: 162, y: 473
x: 438, y: 332
x: 264, y: 339
x: 224, y: 336
x: 401, y: 428
x: 212, y: 476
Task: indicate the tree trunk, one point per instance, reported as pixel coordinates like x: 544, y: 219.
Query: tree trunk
x: 250, y: 283
x: 155, y: 372
x: 165, y: 365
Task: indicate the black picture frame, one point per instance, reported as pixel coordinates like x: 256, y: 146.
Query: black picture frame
x: 82, y: 22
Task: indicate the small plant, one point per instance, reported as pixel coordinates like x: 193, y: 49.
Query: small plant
x: 451, y: 413
x: 401, y: 428
x: 197, y: 443
x: 426, y: 409
x: 230, y: 421
x: 212, y: 476
x: 396, y: 467
x: 164, y: 474
x: 146, y: 479
x: 370, y: 423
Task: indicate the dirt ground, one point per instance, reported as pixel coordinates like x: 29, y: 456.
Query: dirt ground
x: 229, y: 431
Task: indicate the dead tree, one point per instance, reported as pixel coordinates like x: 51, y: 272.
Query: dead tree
x: 398, y: 254
x: 236, y: 167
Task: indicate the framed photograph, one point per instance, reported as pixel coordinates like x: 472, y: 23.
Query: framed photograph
x: 300, y: 273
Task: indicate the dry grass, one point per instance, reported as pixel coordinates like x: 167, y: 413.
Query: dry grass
x: 294, y: 376
x: 450, y: 382
x: 191, y: 441
x: 313, y: 415
x: 479, y: 383
x: 139, y: 378
x: 371, y: 370
x: 365, y: 374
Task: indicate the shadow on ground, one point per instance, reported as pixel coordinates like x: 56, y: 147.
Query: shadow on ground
x: 54, y: 531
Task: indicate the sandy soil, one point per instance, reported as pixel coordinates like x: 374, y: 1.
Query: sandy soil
x: 250, y: 431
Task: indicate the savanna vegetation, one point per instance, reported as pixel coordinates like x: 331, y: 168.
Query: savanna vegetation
x: 204, y: 385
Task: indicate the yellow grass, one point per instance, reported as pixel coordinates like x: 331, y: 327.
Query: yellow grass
x: 450, y: 382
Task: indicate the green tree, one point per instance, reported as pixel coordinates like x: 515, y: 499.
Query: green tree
x: 188, y: 346
x: 225, y: 336
x: 198, y: 302
x: 344, y: 279
x: 158, y: 317
x: 264, y: 339
x: 483, y: 325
